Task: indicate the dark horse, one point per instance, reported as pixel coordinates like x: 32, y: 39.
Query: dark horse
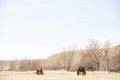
x: 81, y: 70
x: 39, y: 71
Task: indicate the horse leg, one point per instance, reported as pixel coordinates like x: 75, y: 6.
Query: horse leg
x: 78, y: 72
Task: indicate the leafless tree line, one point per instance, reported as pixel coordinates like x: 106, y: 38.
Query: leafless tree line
x: 96, y: 56
x: 25, y: 64
x: 101, y: 57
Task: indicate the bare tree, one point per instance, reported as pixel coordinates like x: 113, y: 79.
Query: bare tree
x: 30, y: 64
x: 67, y: 58
x: 25, y: 64
x: 35, y: 64
x: 115, y: 60
x: 106, y: 58
x: 93, y: 56
x: 12, y: 65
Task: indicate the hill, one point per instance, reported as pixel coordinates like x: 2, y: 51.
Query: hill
x: 69, y: 60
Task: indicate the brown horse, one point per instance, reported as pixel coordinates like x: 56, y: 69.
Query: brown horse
x: 81, y: 70
x: 39, y: 71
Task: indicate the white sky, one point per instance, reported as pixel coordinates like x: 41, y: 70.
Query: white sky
x: 40, y: 28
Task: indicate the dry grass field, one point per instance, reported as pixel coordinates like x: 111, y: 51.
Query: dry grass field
x: 57, y: 75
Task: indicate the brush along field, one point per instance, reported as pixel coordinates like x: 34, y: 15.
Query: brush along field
x: 57, y: 75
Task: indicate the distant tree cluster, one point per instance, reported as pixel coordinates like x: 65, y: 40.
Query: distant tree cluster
x: 101, y: 57
x: 25, y: 64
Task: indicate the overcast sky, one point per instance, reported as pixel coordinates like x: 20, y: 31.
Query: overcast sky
x: 40, y: 28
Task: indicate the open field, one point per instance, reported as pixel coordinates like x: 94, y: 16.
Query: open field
x: 57, y: 75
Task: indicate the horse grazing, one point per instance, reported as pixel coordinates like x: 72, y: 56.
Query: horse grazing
x: 39, y: 71
x: 81, y: 70
x: 112, y: 70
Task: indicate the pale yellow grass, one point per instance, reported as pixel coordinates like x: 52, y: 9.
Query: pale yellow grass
x: 57, y: 75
